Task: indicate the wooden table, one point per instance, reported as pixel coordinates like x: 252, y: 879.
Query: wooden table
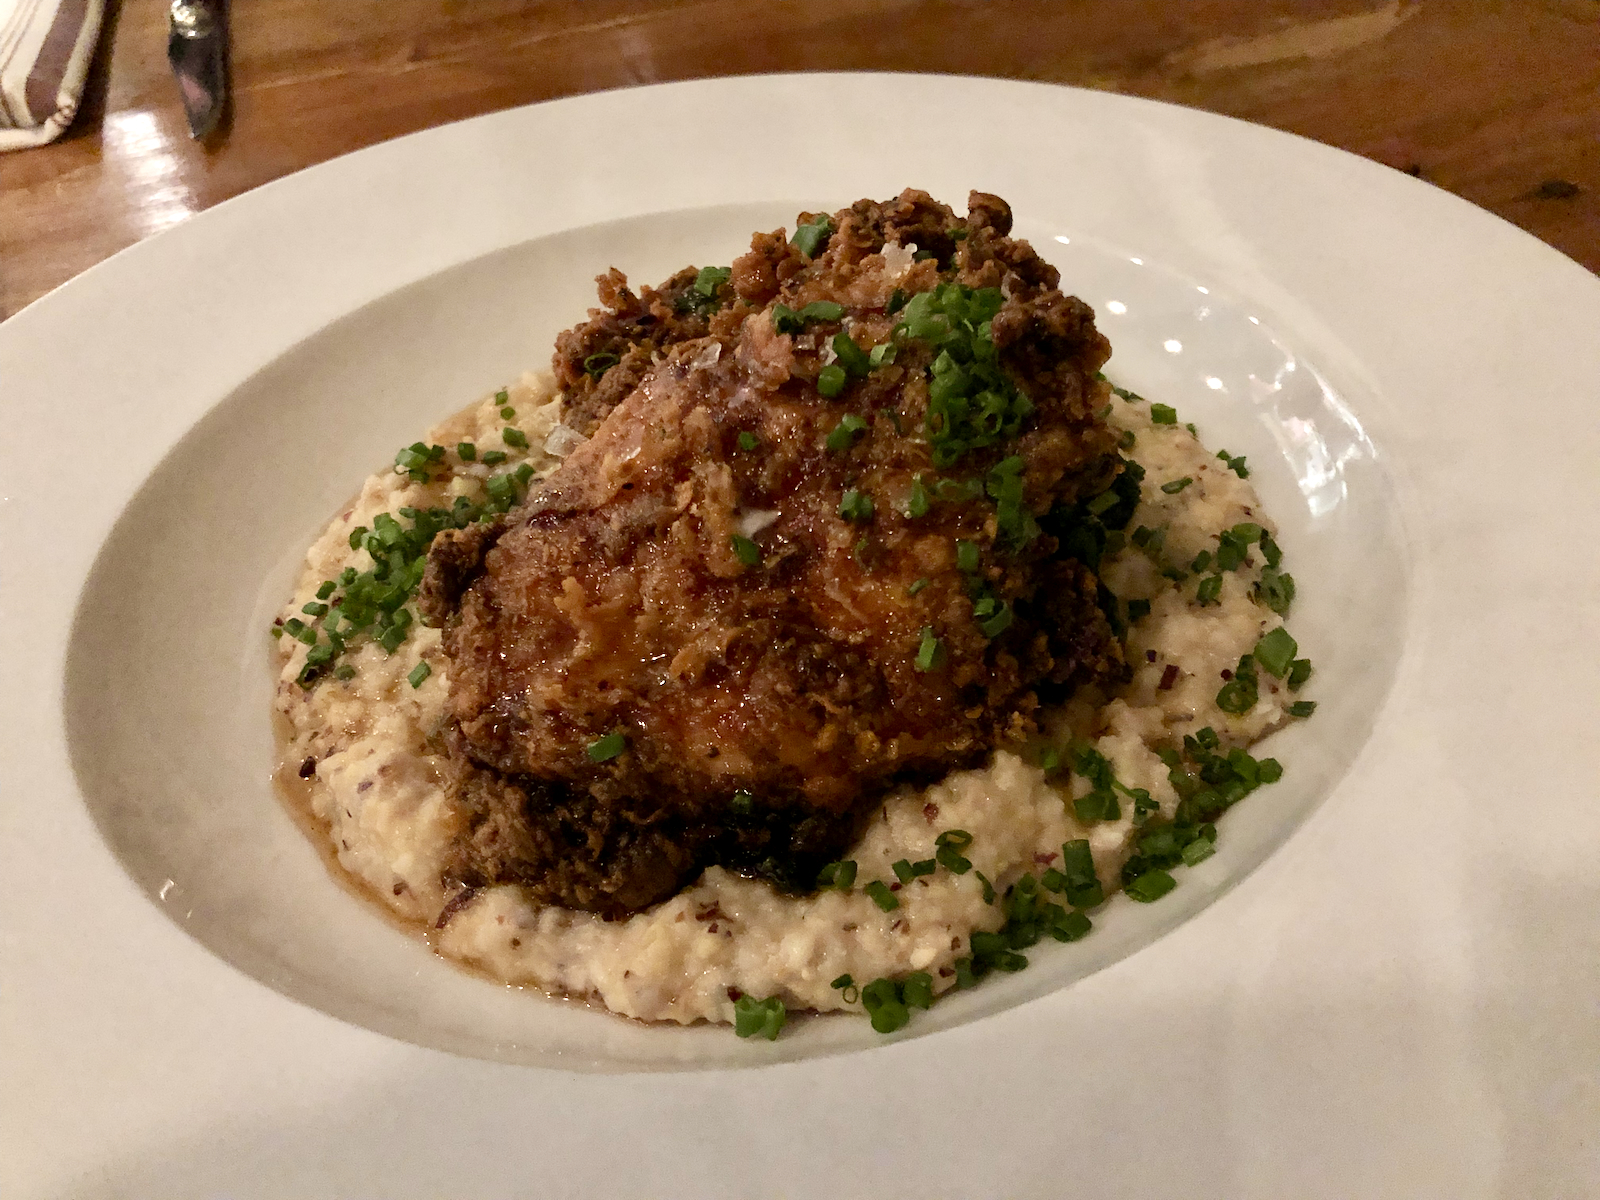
x: 1495, y: 100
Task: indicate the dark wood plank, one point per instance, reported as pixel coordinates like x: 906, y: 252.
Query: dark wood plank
x: 1493, y: 101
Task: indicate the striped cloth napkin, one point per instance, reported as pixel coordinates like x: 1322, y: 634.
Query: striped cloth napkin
x: 45, y: 48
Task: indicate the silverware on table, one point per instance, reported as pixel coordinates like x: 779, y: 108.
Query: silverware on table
x: 197, y: 48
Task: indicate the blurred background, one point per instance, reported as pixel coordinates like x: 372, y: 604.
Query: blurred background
x: 1497, y: 101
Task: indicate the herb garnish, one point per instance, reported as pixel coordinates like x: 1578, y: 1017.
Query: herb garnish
x: 880, y: 895
x: 810, y: 238
x: 759, y: 1018
x: 856, y: 506
x: 745, y: 550
x: 838, y: 875
x: 608, y: 747
x: 972, y: 403
x: 845, y: 432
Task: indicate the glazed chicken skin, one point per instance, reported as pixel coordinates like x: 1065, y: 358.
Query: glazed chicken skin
x: 797, y: 561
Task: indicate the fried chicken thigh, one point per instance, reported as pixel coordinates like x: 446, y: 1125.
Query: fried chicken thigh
x: 785, y: 572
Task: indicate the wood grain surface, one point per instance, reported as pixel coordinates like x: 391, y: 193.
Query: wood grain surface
x: 1497, y: 101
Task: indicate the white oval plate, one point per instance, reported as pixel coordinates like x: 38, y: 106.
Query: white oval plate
x: 1395, y: 1001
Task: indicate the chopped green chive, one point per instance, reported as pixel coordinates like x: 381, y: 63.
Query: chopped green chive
x: 1070, y: 927
x: 742, y: 803
x: 597, y: 365
x: 897, y: 301
x: 418, y: 673
x: 988, y: 888
x: 947, y: 851
x: 507, y: 413
x: 344, y: 672
x: 493, y: 458
x: 606, y: 748
x: 1275, y: 589
x: 851, y: 356
x: 467, y: 451
x: 709, y: 279
x: 822, y: 310
x: 930, y: 651
x: 1162, y: 414
x: 845, y: 433
x: 1275, y: 652
x: 1097, y: 805
x: 1138, y: 610
x: 1209, y: 590
x: 882, y: 896
x: 1302, y: 708
x: 917, y: 502
x: 326, y: 589
x: 916, y: 587
x: 905, y: 870
x: 1082, y: 888
x: 808, y: 239
x: 831, y: 380
x: 1103, y: 503
x: 967, y: 556
x: 1150, y: 886
x: 314, y: 609
x: 1235, y: 463
x: 916, y: 990
x: 502, y: 396
x: 838, y: 875
x: 759, y: 1018
x: 1176, y: 485
x: 881, y: 356
x: 1240, y: 693
x: 514, y: 437
x: 1198, y: 851
x: 882, y: 1000
x: 748, y: 441
x: 1299, y: 672
x: 1127, y: 440
x: 1017, y: 526
x: 856, y: 506
x: 746, y: 551
x: 997, y: 623
x: 843, y: 981
x: 993, y: 950
x: 357, y: 537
